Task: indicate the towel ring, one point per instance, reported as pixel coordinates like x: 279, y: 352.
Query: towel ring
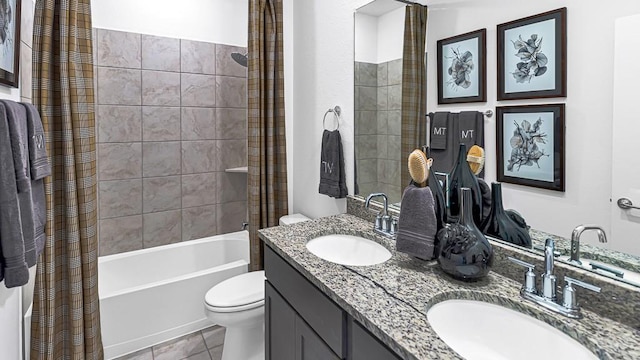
x: 336, y: 114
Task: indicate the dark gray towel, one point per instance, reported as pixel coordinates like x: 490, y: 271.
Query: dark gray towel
x: 439, y: 130
x: 40, y: 166
x: 17, y: 119
x: 470, y: 128
x: 16, y: 272
x: 417, y: 225
x: 332, y: 176
x: 466, y: 127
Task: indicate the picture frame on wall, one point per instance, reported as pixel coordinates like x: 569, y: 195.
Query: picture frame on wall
x: 462, y: 70
x: 9, y: 42
x: 532, y: 56
x: 530, y: 145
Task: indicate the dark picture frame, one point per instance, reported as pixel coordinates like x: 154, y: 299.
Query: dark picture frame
x: 462, y: 69
x: 532, y: 56
x: 530, y: 145
x: 10, y: 43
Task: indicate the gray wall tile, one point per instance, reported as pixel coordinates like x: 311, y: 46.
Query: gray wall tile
x: 119, y: 161
x: 367, y: 170
x: 160, y: 88
x: 180, y: 348
x: 382, y: 146
x: 160, y: 53
x: 198, y: 57
x: 119, y: 86
x: 394, y: 124
x: 25, y: 70
x: 383, y: 74
x: 162, y: 228
x: 161, y: 193
x: 367, y: 98
x: 231, y: 216
x: 120, y: 234
x: 231, y: 154
x: 366, y: 122
x: 160, y: 123
x: 198, y: 90
x: 119, y: 49
x: 161, y: 158
x: 231, y: 123
x: 199, y: 189
x: 199, y: 156
x: 395, y: 97
x: 382, y: 120
x: 120, y: 198
x: 231, y: 187
x: 395, y: 72
x: 383, y: 98
x: 366, y: 147
x: 231, y: 92
x: 198, y: 222
x: 119, y: 123
x: 368, y: 74
x: 198, y: 123
x: 225, y: 65
x: 216, y: 353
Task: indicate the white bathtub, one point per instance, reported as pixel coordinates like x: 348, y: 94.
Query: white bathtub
x: 153, y: 295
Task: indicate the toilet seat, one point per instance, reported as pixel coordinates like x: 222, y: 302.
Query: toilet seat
x: 239, y: 293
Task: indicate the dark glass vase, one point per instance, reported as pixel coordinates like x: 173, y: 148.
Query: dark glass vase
x: 438, y: 195
x: 462, y: 177
x: 500, y: 225
x: 464, y: 252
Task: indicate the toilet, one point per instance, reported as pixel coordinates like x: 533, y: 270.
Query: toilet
x: 238, y: 305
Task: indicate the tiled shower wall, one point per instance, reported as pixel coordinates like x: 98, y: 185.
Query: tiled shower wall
x: 170, y: 117
x: 378, y: 92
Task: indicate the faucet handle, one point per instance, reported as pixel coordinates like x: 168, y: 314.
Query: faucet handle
x: 529, y: 276
x: 569, y: 294
x: 378, y: 223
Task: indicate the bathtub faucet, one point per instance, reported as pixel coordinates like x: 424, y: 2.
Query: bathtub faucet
x: 245, y: 225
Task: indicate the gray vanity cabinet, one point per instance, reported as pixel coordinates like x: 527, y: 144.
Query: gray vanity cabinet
x: 301, y: 323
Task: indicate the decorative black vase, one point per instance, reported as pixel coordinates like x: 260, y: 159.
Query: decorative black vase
x: 500, y: 225
x: 464, y: 252
x: 462, y: 176
x: 440, y: 202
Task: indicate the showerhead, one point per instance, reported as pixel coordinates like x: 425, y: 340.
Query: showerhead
x: 239, y: 58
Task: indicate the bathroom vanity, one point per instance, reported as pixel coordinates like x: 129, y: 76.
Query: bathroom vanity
x: 316, y: 309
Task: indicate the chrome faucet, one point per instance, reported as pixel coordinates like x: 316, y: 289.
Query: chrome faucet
x: 547, y: 296
x: 384, y: 224
x: 575, y: 240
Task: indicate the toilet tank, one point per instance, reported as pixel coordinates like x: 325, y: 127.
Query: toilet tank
x: 292, y: 219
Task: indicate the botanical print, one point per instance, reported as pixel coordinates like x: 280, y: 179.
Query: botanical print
x: 529, y: 57
x: 530, y: 144
x: 7, y: 26
x: 460, y: 69
x: 532, y: 60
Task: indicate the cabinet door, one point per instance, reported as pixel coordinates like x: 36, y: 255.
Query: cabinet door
x: 309, y: 346
x: 280, y: 324
x: 365, y: 346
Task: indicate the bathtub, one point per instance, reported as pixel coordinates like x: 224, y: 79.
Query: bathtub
x: 153, y: 295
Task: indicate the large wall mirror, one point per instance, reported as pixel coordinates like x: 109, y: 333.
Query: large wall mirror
x: 378, y: 53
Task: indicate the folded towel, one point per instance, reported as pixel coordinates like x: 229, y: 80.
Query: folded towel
x: 417, y: 225
x: 332, y: 175
x: 16, y: 272
x: 40, y: 166
x: 439, y: 130
x: 17, y: 119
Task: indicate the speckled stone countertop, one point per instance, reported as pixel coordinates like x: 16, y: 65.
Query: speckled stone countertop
x: 392, y: 299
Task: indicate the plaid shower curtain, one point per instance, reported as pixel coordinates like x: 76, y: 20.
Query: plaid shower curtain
x: 267, y: 187
x: 66, y: 311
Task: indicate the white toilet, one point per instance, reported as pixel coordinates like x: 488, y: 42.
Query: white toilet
x: 238, y: 304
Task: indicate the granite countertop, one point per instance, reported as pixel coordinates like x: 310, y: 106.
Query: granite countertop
x: 392, y: 299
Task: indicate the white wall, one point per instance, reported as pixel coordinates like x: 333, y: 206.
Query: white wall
x: 379, y: 39
x: 366, y: 38
x: 219, y: 21
x: 590, y: 34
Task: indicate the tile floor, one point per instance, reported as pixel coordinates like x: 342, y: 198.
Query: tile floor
x: 200, y: 345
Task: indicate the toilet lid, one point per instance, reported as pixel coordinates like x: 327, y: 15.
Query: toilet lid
x: 238, y: 291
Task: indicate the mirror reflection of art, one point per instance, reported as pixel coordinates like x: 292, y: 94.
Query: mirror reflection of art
x: 9, y: 41
x: 462, y: 69
x: 530, y: 145
x: 532, y: 56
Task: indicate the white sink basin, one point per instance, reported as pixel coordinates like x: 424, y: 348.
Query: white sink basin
x: 348, y: 250
x: 628, y: 275
x: 481, y: 331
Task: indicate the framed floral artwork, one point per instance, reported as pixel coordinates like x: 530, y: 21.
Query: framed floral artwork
x: 532, y: 57
x: 530, y: 145
x: 462, y: 68
x: 9, y: 42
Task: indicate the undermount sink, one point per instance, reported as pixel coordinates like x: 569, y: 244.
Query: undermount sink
x: 481, y: 331
x: 348, y: 250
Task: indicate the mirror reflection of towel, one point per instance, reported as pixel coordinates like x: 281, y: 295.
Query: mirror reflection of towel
x: 439, y: 130
x: 332, y: 176
x: 465, y: 127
